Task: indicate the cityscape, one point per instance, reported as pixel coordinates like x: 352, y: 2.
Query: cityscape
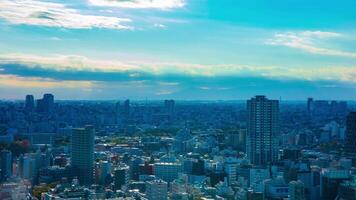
x: 257, y: 149
x: 177, y: 100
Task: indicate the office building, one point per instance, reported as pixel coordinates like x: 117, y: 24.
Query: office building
x: 276, y: 188
x: 156, y: 190
x: 296, y: 190
x: 30, y: 103
x: 6, y: 164
x: 46, y: 104
x: 330, y: 182
x: 83, y: 154
x: 104, y: 171
x: 351, y: 134
x: 169, y: 108
x: 126, y: 109
x: 167, y: 171
x: 121, y: 177
x: 262, y: 129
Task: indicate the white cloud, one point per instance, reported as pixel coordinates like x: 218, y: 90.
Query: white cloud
x: 306, y: 41
x: 164, y: 92
x: 41, y: 13
x: 168, y: 83
x: 141, y: 4
x: 160, y: 26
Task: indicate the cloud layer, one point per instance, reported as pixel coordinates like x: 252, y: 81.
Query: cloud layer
x: 84, y: 78
x: 83, y: 68
x: 41, y: 13
x: 141, y: 4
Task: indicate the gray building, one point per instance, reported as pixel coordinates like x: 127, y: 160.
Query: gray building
x: 156, y: 190
x: 351, y: 134
x: 83, y: 154
x: 6, y: 164
x: 296, y: 190
x: 262, y: 127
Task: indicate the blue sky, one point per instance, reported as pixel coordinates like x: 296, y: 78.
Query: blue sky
x: 182, y: 49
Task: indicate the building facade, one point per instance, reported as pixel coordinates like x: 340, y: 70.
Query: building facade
x: 262, y: 127
x: 83, y: 154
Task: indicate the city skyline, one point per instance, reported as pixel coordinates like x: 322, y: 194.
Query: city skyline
x: 178, y: 49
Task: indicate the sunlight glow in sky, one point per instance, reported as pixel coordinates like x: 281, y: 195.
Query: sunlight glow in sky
x: 182, y: 49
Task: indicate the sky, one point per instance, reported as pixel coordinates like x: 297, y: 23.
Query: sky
x: 180, y: 49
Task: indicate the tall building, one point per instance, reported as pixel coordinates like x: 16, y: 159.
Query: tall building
x: 30, y: 103
x: 169, y: 106
x: 126, y: 108
x: 351, y: 134
x: 46, y: 104
x: 156, y: 190
x: 262, y: 127
x: 6, y: 164
x: 83, y: 154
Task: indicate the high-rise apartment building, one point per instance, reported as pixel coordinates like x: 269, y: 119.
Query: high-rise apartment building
x: 262, y: 127
x: 83, y: 154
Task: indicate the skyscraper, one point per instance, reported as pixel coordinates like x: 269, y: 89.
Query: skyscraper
x: 83, y: 154
x: 6, y: 164
x: 262, y: 127
x: 46, y: 104
x: 30, y: 103
x: 351, y: 134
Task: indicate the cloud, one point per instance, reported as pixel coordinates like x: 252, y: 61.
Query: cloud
x: 77, y: 78
x: 164, y: 92
x: 140, y: 4
x: 32, y: 82
x: 169, y: 83
x: 164, y: 73
x: 160, y: 26
x: 41, y: 13
x: 306, y: 41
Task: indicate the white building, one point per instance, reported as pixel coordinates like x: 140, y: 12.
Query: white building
x: 167, y: 171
